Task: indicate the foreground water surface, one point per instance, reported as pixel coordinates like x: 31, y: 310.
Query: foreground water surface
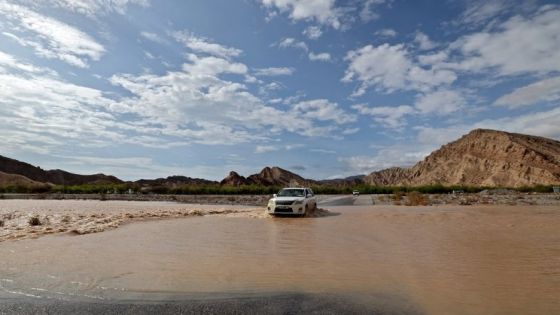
x: 428, y: 260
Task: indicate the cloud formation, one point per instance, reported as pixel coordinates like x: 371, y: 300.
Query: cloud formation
x: 48, y: 37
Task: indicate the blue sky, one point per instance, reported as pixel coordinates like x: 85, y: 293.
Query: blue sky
x: 324, y: 88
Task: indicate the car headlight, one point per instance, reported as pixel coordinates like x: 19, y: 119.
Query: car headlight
x: 298, y: 202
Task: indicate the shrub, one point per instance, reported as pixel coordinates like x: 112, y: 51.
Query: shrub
x: 398, y: 196
x: 417, y: 199
x: 34, y: 221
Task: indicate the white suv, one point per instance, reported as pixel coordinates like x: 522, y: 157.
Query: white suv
x: 292, y: 201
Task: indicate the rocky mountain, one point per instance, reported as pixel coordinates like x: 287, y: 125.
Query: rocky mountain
x: 234, y: 179
x: 389, y: 176
x: 482, y: 158
x: 269, y: 176
x: 57, y: 177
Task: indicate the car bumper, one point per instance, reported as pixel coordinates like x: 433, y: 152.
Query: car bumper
x: 287, y: 210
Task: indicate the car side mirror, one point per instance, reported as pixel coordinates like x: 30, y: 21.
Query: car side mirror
x: 274, y: 195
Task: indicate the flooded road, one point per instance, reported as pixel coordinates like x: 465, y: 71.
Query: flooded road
x: 427, y: 260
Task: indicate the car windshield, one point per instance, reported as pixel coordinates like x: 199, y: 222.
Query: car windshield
x: 291, y: 193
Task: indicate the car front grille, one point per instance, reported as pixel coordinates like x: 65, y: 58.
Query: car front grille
x: 283, y: 210
x: 284, y: 202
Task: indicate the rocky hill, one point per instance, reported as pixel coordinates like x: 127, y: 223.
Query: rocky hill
x: 16, y: 180
x: 234, y: 179
x: 57, y: 177
x: 269, y: 176
x: 482, y: 158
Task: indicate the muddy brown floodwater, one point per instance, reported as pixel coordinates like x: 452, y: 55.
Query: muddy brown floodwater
x: 429, y: 260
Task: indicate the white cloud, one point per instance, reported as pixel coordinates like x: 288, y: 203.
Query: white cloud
x: 266, y: 148
x: 312, y: 32
x: 322, y: 109
x: 322, y: 151
x: 386, y: 157
x: 274, y: 71
x: 350, y: 131
x: 440, y: 102
x: 205, y: 45
x: 386, y: 32
x: 321, y: 11
x: 292, y: 43
x: 197, y: 105
x: 385, y: 66
x: 94, y: 7
x: 424, y: 42
x: 367, y: 14
x: 319, y: 57
x: 516, y: 46
x: 390, y: 116
x: 481, y: 11
x: 49, y: 37
x: 178, y: 108
x: 547, y: 90
x: 390, y: 68
x: 153, y: 37
x: 38, y: 109
x: 212, y: 66
x: 10, y: 61
x: 433, y: 59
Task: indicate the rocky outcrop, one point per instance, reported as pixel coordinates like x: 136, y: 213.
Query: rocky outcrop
x: 482, y: 158
x: 234, y: 179
x: 389, y: 176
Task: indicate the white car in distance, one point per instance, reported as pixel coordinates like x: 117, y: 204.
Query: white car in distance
x: 292, y: 201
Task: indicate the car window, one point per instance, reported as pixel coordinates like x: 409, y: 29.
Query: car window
x: 291, y: 193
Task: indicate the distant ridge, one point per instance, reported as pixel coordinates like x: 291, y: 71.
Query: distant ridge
x: 57, y: 177
x: 482, y: 157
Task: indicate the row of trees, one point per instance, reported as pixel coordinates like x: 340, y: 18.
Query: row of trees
x: 247, y: 189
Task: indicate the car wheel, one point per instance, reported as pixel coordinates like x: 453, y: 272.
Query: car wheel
x: 306, y: 210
